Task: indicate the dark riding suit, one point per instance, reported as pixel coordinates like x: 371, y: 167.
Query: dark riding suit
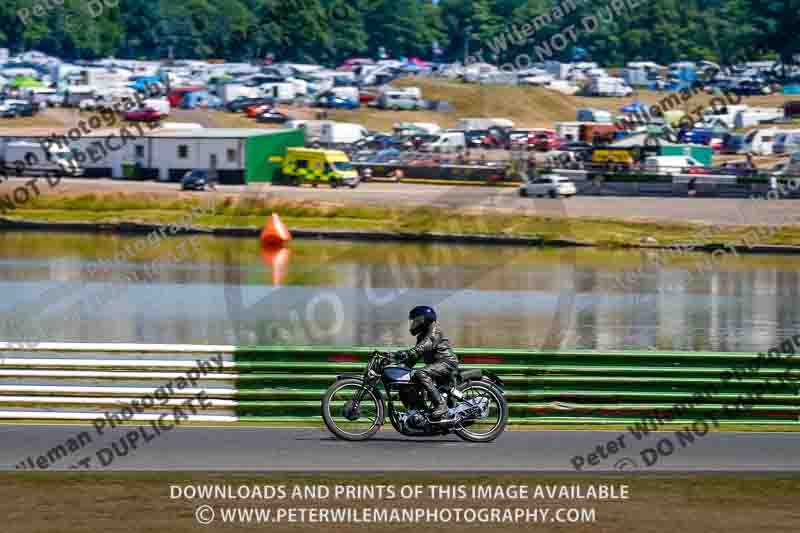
x: 440, y: 360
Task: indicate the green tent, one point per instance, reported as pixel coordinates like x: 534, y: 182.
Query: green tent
x: 25, y: 82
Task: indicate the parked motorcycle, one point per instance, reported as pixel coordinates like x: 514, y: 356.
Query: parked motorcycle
x: 354, y: 408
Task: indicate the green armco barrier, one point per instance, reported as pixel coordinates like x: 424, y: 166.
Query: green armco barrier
x: 281, y: 384
x: 563, y: 387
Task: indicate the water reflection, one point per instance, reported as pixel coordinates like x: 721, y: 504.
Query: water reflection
x: 345, y: 293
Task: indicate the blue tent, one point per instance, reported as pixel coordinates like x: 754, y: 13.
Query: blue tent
x: 635, y: 107
x: 198, y: 99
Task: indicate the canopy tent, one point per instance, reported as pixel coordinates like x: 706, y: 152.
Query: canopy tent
x: 25, y: 82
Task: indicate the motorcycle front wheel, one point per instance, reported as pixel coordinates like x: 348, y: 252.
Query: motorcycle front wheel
x: 344, y: 419
x: 488, y: 427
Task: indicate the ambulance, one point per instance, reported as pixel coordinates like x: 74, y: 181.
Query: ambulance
x: 306, y: 165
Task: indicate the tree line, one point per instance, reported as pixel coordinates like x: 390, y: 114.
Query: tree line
x: 330, y: 31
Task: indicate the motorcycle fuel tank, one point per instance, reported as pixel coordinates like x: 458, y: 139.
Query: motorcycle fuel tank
x: 397, y: 374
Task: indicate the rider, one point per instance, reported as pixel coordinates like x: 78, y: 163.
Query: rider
x: 434, y: 348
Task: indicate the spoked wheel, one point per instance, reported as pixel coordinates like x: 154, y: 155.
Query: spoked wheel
x: 494, y: 412
x: 346, y: 420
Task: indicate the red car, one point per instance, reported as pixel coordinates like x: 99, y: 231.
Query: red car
x: 546, y: 140
x: 144, y: 115
x: 535, y: 139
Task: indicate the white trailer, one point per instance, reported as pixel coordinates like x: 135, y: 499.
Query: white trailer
x: 232, y: 91
x: 282, y: 92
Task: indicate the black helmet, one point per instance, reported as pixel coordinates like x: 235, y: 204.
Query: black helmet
x: 420, y: 318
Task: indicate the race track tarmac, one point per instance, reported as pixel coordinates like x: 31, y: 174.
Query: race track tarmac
x: 298, y: 449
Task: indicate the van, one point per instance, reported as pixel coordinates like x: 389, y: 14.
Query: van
x: 398, y: 100
x: 669, y: 165
x: 448, y: 141
x: 305, y: 165
x: 787, y: 142
x: 40, y: 158
x: 341, y: 133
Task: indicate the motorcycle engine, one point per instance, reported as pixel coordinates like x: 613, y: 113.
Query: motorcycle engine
x: 413, y: 422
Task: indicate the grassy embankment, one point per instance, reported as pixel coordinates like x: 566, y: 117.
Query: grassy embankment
x: 247, y: 212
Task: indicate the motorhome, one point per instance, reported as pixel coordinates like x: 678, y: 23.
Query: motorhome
x: 724, y: 115
x: 405, y: 99
x: 760, y: 141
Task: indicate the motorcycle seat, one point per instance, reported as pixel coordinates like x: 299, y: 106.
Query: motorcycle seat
x: 470, y: 373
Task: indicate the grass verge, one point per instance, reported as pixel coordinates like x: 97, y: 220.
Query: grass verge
x: 237, y: 212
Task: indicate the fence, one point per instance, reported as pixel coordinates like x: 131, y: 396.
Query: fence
x: 65, y: 381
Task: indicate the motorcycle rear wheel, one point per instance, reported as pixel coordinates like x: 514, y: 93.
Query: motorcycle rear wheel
x: 478, y: 430
x: 334, y: 403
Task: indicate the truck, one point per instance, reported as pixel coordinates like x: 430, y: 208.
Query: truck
x: 28, y: 158
x: 470, y: 124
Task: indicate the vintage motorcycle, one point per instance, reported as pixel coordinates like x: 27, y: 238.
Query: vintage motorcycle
x: 354, y: 407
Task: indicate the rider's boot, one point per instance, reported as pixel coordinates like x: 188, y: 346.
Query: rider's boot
x: 440, y: 408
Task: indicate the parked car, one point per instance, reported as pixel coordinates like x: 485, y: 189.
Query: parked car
x: 551, y: 185
x: 144, y: 115
x: 337, y: 102
x: 19, y: 109
x: 733, y: 143
x: 787, y: 142
x: 477, y: 138
x: 240, y: 104
x: 254, y: 111
x: 196, y: 180
x: 546, y: 140
x: 736, y: 168
x: 791, y: 109
x: 273, y: 117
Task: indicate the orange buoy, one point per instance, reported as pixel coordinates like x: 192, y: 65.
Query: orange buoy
x: 274, y: 232
x: 277, y: 259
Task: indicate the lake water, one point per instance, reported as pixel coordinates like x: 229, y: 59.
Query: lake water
x: 207, y: 290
